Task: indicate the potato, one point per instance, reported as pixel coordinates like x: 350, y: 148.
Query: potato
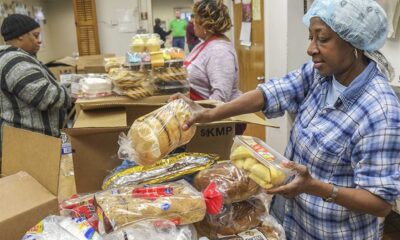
x: 239, y: 163
x: 249, y: 162
x: 277, y: 176
x: 240, y: 152
x: 262, y: 172
x: 260, y: 182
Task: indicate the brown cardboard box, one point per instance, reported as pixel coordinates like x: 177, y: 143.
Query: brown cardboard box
x: 92, y: 63
x: 95, y: 137
x: 37, y: 154
x: 33, y: 180
x: 66, y: 65
x: 113, y: 101
x: 94, y: 141
x: 23, y: 203
x: 40, y: 157
x: 60, y: 70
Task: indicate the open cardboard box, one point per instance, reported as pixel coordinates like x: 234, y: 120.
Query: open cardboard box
x: 92, y: 63
x: 94, y: 137
x: 31, y: 166
x: 94, y: 140
x: 66, y: 65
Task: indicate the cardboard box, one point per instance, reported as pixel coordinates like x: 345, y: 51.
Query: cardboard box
x: 29, y: 190
x: 92, y: 63
x: 23, y: 203
x: 40, y: 156
x: 37, y: 173
x: 113, y: 101
x: 94, y: 141
x: 61, y: 70
x: 95, y: 138
x: 66, y: 65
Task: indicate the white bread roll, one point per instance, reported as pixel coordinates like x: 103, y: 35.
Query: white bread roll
x: 158, y: 133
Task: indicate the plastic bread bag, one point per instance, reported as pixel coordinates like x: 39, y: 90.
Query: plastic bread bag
x: 167, y: 169
x: 234, y: 183
x: 80, y: 206
x: 159, y: 229
x: 62, y: 228
x: 77, y: 200
x: 153, y: 136
x: 177, y: 201
x: 269, y: 229
x: 233, y: 219
x: 263, y: 163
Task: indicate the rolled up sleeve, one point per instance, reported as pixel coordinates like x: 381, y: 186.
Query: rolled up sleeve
x: 287, y: 93
x: 376, y: 161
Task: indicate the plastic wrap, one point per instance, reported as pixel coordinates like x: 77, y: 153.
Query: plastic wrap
x: 233, y: 183
x: 80, y: 206
x: 167, y: 169
x: 113, y: 63
x: 66, y: 182
x: 125, y: 78
x: 62, y: 228
x: 72, y: 84
x: 177, y: 201
x: 134, y: 84
x: 233, y: 219
x: 170, y: 80
x: 159, y: 229
x: 146, y: 43
x: 96, y: 85
x: 270, y: 229
x: 156, y: 134
x: 168, y: 57
x: 263, y: 164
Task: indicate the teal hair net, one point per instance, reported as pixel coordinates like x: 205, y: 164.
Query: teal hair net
x: 362, y: 23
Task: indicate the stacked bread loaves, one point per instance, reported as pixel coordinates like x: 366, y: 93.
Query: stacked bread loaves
x: 155, y: 135
x: 241, y: 210
x: 234, y: 219
x: 176, y: 201
x: 234, y: 183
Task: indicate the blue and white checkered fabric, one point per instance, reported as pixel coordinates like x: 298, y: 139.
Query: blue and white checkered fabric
x: 353, y: 144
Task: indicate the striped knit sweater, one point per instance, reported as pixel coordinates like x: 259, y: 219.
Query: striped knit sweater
x: 30, y: 97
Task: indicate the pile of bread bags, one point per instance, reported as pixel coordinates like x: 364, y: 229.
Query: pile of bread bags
x: 184, y: 196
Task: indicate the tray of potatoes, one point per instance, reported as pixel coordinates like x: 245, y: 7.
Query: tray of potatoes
x: 263, y: 164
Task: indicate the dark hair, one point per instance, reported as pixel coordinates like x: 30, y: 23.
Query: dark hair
x: 157, y: 21
x: 213, y: 15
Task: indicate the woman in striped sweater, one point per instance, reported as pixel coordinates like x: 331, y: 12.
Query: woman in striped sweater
x: 30, y: 97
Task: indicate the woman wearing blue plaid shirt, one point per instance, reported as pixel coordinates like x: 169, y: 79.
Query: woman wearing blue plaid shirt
x: 345, y: 142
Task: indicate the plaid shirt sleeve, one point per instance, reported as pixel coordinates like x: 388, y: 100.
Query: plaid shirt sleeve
x: 287, y: 93
x: 376, y: 162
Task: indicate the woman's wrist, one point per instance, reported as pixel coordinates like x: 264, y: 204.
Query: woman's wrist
x: 319, y: 188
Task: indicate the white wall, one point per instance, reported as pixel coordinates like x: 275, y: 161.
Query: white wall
x: 392, y: 52
x: 286, y: 40
x: 62, y: 30
x: 111, y: 40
